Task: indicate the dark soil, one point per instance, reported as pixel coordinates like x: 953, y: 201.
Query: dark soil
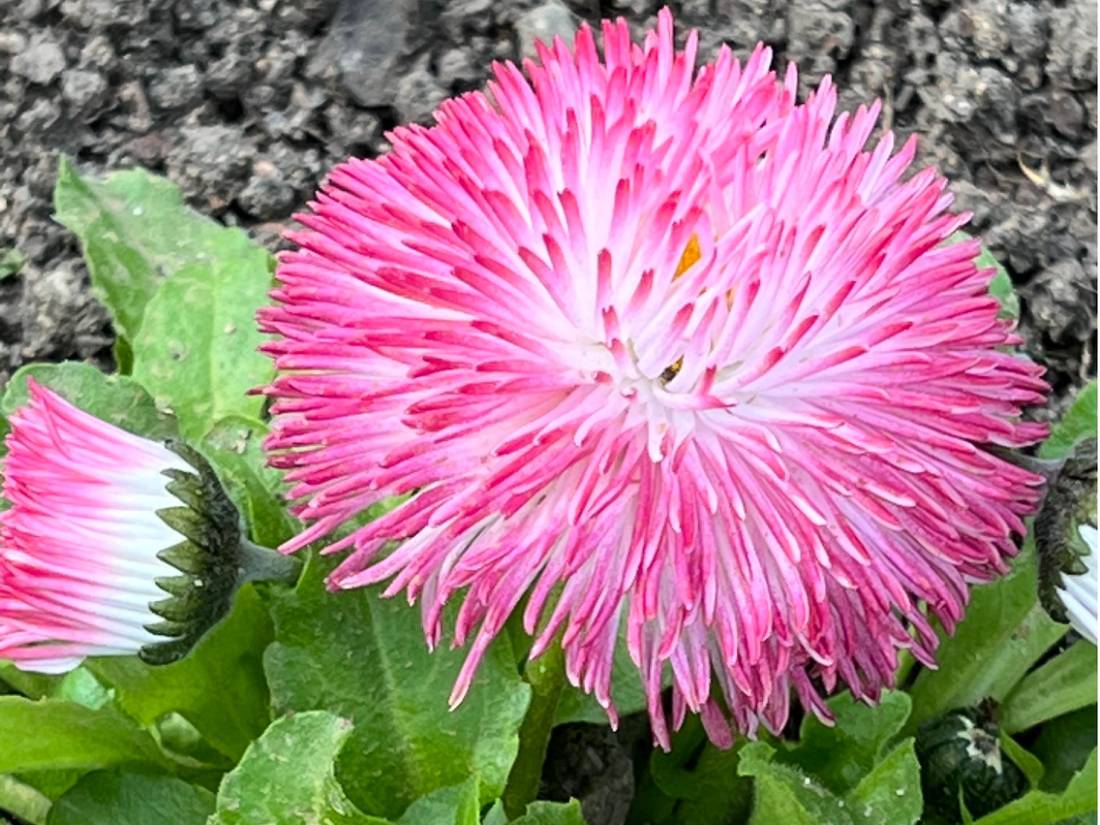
x: 245, y: 104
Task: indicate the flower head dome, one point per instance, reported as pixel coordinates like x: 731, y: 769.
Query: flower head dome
x: 113, y: 544
x: 668, y: 351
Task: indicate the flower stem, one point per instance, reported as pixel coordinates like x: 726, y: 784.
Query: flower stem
x: 263, y: 564
x: 546, y: 676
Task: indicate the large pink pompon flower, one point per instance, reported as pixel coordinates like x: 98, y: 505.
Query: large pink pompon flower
x: 662, y: 348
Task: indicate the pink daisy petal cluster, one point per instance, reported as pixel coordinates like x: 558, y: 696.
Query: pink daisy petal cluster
x: 669, y: 353
x: 79, y: 544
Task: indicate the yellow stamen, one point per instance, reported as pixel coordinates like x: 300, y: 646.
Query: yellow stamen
x: 691, y: 254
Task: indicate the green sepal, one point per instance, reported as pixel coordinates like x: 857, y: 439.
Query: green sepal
x: 1070, y: 502
x: 214, y: 559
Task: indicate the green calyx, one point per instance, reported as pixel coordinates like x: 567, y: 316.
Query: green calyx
x: 1070, y: 502
x: 214, y: 558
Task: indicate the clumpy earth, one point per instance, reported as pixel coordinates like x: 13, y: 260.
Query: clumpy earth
x: 246, y: 104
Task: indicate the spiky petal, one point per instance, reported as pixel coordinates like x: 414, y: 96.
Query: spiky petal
x: 672, y: 347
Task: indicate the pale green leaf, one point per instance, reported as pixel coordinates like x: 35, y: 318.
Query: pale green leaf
x: 890, y: 791
x: 52, y: 734
x: 784, y: 794
x: 364, y: 658
x: 135, y: 232
x: 286, y: 777
x: 196, y: 351
x: 24, y: 800
x: 115, y: 399
x: 841, y: 755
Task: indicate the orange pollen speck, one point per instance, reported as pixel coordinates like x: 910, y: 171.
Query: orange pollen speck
x: 692, y: 253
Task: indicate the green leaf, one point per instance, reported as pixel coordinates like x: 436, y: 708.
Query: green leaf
x: 1028, y: 763
x: 34, y: 685
x: 890, y: 792
x: 1078, y: 422
x: 457, y: 805
x: 849, y: 772
x: 53, y: 733
x: 82, y: 687
x: 196, y: 351
x: 115, y: 399
x: 23, y: 800
x: 364, y: 658
x: 135, y: 232
x: 1063, y: 746
x: 286, y: 777
x: 839, y: 756
x: 1065, y: 683
x: 784, y: 794
x: 218, y: 687
x: 234, y: 449
x: 552, y: 813
x: 119, y: 798
x: 1004, y: 633
x: 1044, y: 808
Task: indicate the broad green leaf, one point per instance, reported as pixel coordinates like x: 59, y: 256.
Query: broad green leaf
x: 841, y: 755
x: 457, y: 805
x: 1063, y: 746
x: 116, y: 399
x: 1065, y: 683
x: 196, y: 350
x: 1078, y: 422
x: 364, y: 658
x: 845, y: 773
x: 219, y: 686
x: 1004, y: 633
x: 1000, y: 286
x: 286, y: 777
x: 120, y: 798
x: 53, y: 734
x: 1044, y: 808
x: 234, y: 448
x: 889, y: 792
x: 23, y: 800
x: 784, y: 794
x: 135, y: 232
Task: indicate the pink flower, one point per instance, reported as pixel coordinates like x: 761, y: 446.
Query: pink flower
x: 97, y: 536
x: 666, y: 350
